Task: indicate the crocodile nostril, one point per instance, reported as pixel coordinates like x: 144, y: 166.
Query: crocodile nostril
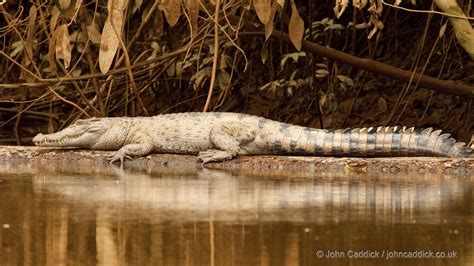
x: 37, y: 138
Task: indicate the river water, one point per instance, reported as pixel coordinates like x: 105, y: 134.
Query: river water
x: 83, y: 215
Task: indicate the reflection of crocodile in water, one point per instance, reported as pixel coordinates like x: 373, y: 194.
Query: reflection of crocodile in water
x: 222, y: 136
x: 225, y: 197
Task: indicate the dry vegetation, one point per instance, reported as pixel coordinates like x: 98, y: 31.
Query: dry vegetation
x: 61, y: 60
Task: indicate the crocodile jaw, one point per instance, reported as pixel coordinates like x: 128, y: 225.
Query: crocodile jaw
x: 58, y: 139
x: 50, y: 140
x: 80, y: 134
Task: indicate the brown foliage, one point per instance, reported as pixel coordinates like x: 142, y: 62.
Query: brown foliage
x: 133, y: 58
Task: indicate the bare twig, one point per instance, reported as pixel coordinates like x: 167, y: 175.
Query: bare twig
x: 216, y: 56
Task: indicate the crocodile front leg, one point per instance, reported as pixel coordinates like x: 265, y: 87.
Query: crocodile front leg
x: 227, y: 138
x: 141, y: 148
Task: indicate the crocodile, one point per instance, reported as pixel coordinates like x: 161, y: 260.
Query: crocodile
x: 219, y: 136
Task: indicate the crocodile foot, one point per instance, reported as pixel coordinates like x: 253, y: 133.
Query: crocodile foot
x: 118, y: 156
x: 213, y: 155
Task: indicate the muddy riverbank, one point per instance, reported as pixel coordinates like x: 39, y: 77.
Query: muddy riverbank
x: 279, y: 163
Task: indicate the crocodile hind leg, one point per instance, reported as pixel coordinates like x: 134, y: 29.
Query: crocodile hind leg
x: 227, y: 137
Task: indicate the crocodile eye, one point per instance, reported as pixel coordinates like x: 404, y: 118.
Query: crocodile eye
x: 79, y: 122
x: 85, y: 121
x: 94, y: 128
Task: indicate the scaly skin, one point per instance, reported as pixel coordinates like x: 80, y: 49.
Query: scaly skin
x: 222, y: 136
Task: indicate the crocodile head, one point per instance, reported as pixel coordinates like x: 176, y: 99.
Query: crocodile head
x: 82, y: 133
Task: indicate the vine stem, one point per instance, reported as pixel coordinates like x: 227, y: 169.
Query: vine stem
x: 216, y: 56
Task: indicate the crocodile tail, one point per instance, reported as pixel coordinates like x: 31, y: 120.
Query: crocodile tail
x: 381, y: 141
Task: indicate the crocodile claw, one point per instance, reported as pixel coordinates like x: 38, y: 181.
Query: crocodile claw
x: 118, y: 157
x: 214, y: 156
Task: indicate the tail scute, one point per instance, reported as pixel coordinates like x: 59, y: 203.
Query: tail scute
x: 386, y: 141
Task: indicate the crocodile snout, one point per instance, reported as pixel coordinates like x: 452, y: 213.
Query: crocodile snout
x: 38, y: 138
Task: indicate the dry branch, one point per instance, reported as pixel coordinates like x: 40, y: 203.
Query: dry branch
x: 462, y: 27
x: 444, y: 86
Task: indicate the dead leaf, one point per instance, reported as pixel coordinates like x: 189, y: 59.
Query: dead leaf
x: 360, y: 26
x: 76, y: 72
x: 54, y: 19
x: 321, y: 73
x: 296, y: 27
x: 293, y: 56
x: 269, y: 25
x: 172, y: 9
x: 155, y: 50
x: 200, y: 77
x: 63, y: 45
x: 76, y: 10
x: 223, y: 80
x: 359, y: 4
x: 340, y: 7
x: 111, y: 33
x: 17, y: 48
x: 264, y: 54
x: 31, y: 35
x: 442, y: 30
x: 108, y: 46
x: 136, y: 5
x: 263, y: 9
x: 171, y: 71
x: 52, y: 51
x: 116, y: 5
x: 223, y: 61
x: 193, y: 10
x: 382, y: 105
x: 372, y: 32
x: 64, y: 4
x: 69, y: 8
x: 328, y: 103
x: 93, y: 32
x: 158, y: 22
x: 346, y: 80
